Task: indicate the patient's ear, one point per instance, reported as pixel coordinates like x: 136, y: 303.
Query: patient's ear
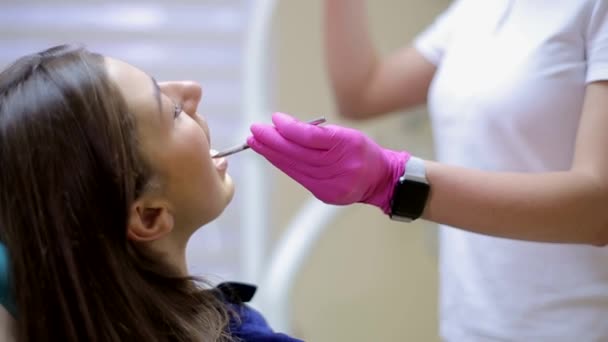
x: 149, y: 220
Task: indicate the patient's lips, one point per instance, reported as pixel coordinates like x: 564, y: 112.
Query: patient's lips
x: 221, y: 164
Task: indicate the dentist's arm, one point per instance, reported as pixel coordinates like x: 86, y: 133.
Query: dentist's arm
x: 366, y: 85
x: 566, y: 206
x: 342, y: 166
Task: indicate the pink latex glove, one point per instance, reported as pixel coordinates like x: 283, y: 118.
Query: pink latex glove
x: 338, y: 165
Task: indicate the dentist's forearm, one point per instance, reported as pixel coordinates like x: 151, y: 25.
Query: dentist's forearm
x: 350, y: 55
x: 567, y: 206
x: 366, y: 85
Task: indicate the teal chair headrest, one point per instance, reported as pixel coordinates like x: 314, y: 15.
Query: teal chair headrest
x: 5, y: 290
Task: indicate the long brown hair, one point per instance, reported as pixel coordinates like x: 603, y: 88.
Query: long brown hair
x: 69, y: 169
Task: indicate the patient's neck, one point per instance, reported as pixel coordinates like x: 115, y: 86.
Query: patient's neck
x: 171, y: 252
x: 178, y: 261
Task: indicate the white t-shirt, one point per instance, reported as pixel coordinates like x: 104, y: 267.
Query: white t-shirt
x: 507, y: 96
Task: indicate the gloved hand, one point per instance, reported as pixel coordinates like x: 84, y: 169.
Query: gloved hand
x: 338, y: 165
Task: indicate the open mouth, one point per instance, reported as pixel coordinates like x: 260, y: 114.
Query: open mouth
x: 221, y: 164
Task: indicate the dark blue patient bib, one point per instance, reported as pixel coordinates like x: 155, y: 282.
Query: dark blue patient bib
x: 252, y: 326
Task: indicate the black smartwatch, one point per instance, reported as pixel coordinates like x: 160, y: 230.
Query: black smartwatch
x: 411, y: 192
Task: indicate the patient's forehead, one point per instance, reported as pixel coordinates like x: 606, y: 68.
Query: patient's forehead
x: 138, y: 88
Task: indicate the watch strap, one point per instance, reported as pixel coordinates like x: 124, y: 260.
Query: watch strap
x: 415, y: 170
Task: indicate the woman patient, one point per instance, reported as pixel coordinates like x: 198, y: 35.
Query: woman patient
x: 104, y: 176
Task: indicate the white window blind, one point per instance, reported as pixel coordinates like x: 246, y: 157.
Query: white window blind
x: 171, y: 40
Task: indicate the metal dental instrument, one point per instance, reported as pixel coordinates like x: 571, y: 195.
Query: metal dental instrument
x: 244, y: 146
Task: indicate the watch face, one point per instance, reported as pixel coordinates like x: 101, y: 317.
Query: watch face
x: 409, y: 199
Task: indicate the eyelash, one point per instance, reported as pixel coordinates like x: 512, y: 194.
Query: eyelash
x: 177, y: 110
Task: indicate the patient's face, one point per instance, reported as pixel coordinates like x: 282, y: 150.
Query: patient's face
x: 175, y: 141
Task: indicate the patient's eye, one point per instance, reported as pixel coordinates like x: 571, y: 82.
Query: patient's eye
x: 177, y: 109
